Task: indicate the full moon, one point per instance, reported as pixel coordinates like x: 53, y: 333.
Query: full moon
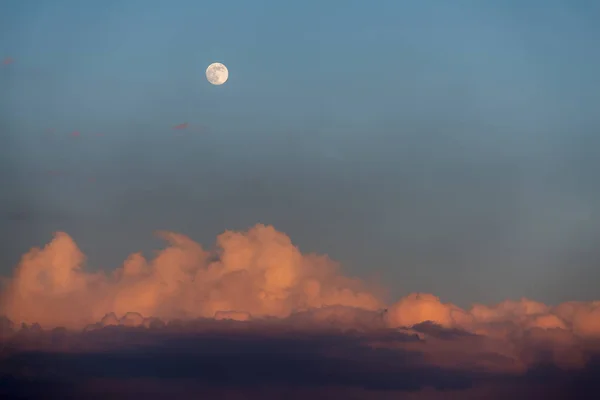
x: 217, y: 73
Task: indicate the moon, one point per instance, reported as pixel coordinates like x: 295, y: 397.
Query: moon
x: 217, y: 73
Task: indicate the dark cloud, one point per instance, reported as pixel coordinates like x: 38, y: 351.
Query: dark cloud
x: 204, y: 357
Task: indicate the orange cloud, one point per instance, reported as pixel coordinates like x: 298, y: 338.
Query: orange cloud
x: 259, y: 272
x: 260, y: 279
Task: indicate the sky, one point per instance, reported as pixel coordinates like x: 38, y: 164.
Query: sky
x: 440, y: 147
x: 386, y: 200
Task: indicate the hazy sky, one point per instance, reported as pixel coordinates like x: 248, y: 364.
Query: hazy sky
x: 444, y: 147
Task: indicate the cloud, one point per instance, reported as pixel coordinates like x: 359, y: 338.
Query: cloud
x: 256, y: 313
x: 216, y: 356
x: 259, y: 272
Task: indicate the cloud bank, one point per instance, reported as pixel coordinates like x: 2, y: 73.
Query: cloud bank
x: 256, y: 315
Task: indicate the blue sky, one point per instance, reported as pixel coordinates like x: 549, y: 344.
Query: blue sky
x: 445, y: 147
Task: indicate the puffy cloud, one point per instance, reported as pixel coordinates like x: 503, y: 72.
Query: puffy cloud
x: 258, y: 293
x: 259, y: 272
x: 249, y: 275
x: 421, y: 307
x: 584, y: 318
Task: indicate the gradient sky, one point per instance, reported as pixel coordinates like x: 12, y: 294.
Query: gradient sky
x: 444, y: 147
